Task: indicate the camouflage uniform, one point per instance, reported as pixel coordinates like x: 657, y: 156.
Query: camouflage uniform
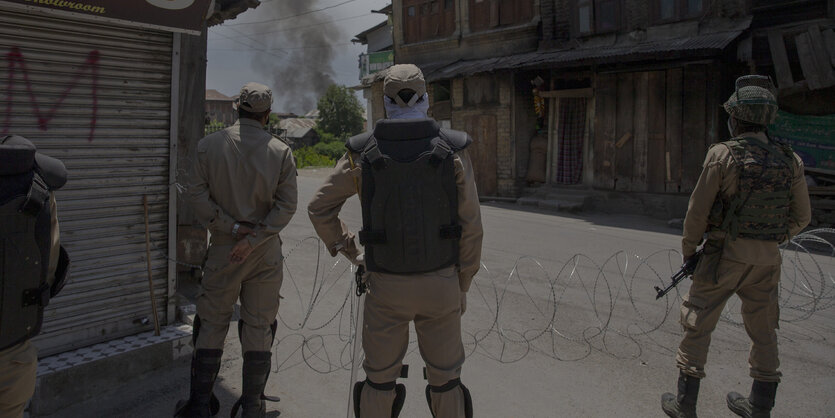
x: 750, y: 196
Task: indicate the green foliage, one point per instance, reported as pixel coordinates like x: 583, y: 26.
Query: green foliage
x: 340, y: 112
x: 333, y: 150
x: 307, y: 157
x: 213, y: 127
x: 328, y: 137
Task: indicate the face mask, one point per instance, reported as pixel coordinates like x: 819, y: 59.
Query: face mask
x: 730, y: 126
x: 416, y: 111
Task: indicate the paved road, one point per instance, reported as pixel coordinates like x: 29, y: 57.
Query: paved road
x: 562, y: 323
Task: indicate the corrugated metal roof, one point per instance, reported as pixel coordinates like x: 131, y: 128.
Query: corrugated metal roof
x: 293, y: 124
x: 298, y: 133
x: 212, y: 94
x: 702, y: 45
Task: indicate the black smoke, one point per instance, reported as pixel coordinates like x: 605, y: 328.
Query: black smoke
x: 299, y: 52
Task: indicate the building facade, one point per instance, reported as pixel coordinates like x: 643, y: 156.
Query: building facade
x: 618, y: 95
x: 219, y: 108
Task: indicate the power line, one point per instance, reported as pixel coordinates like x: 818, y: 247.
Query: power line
x: 281, y: 49
x: 257, y: 42
x: 303, y: 27
x: 251, y: 48
x: 290, y: 17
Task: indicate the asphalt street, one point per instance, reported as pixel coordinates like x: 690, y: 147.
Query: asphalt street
x: 561, y: 322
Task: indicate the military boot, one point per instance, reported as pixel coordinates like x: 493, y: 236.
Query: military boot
x: 682, y: 405
x: 758, y: 404
x: 256, y: 370
x: 201, y: 403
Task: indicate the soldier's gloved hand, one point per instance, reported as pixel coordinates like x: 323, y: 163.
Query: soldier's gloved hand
x: 463, y: 302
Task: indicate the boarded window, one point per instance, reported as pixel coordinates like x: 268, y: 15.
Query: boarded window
x: 425, y: 20
x: 481, y: 90
x: 488, y: 14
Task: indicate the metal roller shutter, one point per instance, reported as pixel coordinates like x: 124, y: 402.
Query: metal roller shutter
x: 98, y: 97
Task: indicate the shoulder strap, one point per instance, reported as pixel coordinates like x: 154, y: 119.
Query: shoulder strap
x: 457, y: 140
x: 372, y: 154
x: 36, y: 197
x: 357, y: 143
x: 440, y: 151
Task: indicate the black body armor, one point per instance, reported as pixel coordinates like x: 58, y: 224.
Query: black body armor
x: 26, y: 179
x: 409, y: 195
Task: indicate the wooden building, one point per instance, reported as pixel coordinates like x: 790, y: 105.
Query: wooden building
x: 632, y: 88
x: 219, y: 108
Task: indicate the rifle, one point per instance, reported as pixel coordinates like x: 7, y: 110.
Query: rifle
x: 686, y: 271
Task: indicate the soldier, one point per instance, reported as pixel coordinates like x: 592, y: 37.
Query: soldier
x: 243, y: 188
x: 34, y: 263
x: 422, y: 238
x: 750, y: 197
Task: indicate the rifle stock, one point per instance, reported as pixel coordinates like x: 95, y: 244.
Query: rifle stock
x: 686, y: 271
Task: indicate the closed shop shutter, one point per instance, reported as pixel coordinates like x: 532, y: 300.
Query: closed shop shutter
x: 98, y: 97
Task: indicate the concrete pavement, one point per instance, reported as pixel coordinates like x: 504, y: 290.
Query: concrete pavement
x: 562, y: 323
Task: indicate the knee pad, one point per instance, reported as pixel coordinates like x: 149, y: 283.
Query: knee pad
x: 399, y: 395
x: 446, y: 387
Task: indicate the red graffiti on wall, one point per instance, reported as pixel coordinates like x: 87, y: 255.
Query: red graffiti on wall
x: 17, y: 62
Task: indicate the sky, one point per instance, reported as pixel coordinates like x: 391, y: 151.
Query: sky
x: 296, y: 47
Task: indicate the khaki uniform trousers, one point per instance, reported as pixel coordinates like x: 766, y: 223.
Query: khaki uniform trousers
x: 18, y: 368
x: 256, y: 282
x: 757, y: 287
x: 433, y: 302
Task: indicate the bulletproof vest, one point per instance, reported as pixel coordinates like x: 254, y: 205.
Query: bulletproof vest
x: 25, y: 243
x: 409, y: 195
x: 760, y: 208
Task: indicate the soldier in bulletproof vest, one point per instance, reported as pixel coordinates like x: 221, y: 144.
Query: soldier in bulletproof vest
x: 750, y: 197
x: 422, y: 237
x: 33, y: 265
x: 243, y: 188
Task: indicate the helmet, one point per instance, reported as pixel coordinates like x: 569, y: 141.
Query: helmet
x: 753, y: 101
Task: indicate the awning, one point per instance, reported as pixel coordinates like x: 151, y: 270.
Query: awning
x: 696, y: 46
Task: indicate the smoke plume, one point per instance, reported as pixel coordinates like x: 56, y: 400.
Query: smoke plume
x: 298, y: 62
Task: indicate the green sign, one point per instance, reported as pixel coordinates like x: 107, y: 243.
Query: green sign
x: 811, y: 137
x: 375, y: 62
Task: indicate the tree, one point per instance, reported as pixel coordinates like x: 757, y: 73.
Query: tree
x: 340, y: 112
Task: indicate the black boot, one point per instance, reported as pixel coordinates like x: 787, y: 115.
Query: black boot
x: 758, y: 404
x: 201, y: 403
x: 683, y: 405
x: 256, y: 370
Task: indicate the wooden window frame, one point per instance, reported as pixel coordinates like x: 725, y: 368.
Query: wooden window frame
x: 680, y: 13
x: 594, y: 23
x: 423, y: 9
x: 495, y: 14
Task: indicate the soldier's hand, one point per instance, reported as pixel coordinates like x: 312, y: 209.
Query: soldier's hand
x: 243, y: 231
x: 240, y: 252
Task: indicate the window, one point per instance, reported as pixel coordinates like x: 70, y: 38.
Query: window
x: 675, y: 10
x: 597, y: 16
x: 489, y: 14
x: 481, y: 90
x: 428, y: 19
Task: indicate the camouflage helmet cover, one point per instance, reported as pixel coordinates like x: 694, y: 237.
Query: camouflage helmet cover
x: 753, y: 101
